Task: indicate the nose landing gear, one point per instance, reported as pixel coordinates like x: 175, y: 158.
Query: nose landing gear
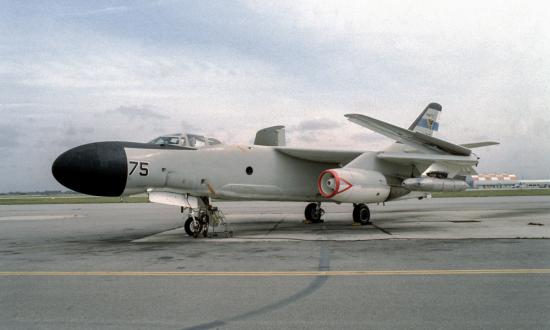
x: 202, y: 218
x: 196, y: 225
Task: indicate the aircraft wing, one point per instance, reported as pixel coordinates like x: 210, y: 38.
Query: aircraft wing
x: 479, y: 144
x: 417, y: 140
x: 321, y: 155
x: 460, y: 165
x: 405, y: 158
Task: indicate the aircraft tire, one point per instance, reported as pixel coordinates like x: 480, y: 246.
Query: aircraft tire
x: 361, y: 214
x: 311, y: 214
x: 187, y: 226
x: 308, y: 212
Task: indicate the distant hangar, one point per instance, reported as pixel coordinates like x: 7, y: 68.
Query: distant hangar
x: 505, y: 181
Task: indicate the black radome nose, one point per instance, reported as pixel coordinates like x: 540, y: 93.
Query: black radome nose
x: 95, y: 169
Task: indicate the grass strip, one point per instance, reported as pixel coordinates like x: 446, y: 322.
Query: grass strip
x: 22, y: 200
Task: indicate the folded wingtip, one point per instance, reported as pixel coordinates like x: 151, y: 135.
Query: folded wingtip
x: 355, y: 116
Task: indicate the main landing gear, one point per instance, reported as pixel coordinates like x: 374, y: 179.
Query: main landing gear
x: 361, y: 214
x: 313, y: 213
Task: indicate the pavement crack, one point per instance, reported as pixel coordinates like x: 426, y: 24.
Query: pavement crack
x: 324, y: 257
x: 385, y: 231
x: 275, y: 226
x: 314, y: 285
x: 154, y: 233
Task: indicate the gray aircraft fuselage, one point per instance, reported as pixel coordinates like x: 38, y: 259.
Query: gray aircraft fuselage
x: 230, y: 172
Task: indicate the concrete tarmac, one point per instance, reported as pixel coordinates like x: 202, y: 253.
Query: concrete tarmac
x: 442, y: 263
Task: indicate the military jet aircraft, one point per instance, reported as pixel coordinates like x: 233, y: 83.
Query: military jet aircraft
x: 174, y: 171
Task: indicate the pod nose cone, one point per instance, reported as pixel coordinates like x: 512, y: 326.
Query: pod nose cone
x: 95, y: 169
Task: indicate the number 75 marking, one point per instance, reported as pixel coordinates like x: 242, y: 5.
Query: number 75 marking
x: 143, y: 168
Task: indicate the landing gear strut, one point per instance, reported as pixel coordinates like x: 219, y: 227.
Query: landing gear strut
x: 313, y: 213
x: 361, y: 214
x: 204, y: 216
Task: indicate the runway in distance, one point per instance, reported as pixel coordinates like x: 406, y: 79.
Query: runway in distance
x: 190, y: 171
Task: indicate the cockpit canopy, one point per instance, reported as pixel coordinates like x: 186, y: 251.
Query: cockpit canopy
x: 185, y: 140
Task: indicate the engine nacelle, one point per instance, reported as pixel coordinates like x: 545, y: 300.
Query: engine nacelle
x: 353, y: 186
x: 434, y: 184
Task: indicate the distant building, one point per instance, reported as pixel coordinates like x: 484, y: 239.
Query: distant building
x: 505, y: 181
x: 533, y: 184
x: 494, y: 181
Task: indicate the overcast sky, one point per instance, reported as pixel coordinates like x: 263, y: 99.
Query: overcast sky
x: 76, y: 72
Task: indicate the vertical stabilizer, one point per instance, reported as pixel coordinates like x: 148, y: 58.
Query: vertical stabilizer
x: 427, y: 122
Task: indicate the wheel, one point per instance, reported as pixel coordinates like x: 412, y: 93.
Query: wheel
x: 361, y: 214
x: 309, y: 211
x: 187, y: 226
x: 312, y: 213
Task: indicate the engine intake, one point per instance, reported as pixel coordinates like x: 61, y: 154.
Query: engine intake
x: 353, y: 186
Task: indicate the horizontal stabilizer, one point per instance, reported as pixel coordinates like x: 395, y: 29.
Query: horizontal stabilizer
x: 417, y: 140
x: 479, y: 144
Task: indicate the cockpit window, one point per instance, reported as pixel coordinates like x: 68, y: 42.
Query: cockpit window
x: 185, y: 140
x: 196, y: 141
x: 166, y: 140
x: 212, y: 141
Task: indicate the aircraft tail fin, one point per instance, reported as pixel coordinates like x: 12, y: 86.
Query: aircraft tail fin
x: 427, y: 123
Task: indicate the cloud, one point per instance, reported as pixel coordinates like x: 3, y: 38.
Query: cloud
x: 317, y: 124
x: 16, y: 105
x: 370, y: 137
x: 101, y: 11
x: 10, y: 137
x: 76, y: 131
x: 137, y: 112
x: 229, y: 70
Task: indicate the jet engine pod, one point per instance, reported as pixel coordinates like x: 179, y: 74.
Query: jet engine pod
x: 353, y: 185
